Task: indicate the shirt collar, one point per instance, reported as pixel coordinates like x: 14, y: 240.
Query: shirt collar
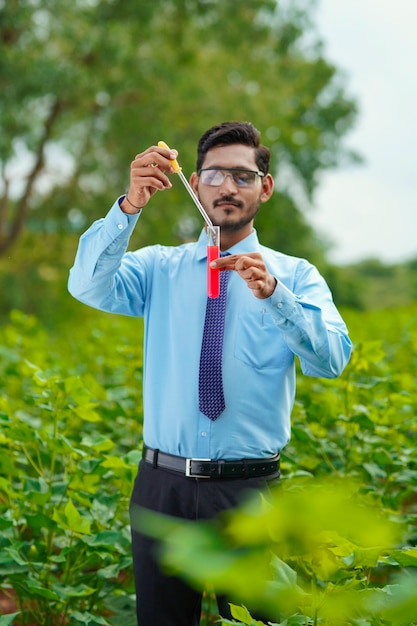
x: 249, y: 244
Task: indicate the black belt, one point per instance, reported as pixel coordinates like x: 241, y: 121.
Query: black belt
x: 206, y: 468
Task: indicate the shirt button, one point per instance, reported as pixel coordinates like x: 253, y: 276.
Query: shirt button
x: 204, y: 434
x: 120, y: 226
x: 279, y: 305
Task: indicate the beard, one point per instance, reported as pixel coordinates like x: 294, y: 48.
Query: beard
x: 236, y: 222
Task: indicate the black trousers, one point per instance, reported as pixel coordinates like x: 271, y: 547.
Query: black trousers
x: 163, y: 600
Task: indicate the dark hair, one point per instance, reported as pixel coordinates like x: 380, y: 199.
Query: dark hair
x: 229, y: 133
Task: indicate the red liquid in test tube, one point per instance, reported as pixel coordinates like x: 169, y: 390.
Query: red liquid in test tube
x: 213, y: 275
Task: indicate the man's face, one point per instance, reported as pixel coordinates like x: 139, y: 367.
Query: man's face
x: 229, y: 205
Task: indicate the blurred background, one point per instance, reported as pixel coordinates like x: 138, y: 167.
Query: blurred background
x: 331, y: 86
x: 375, y: 47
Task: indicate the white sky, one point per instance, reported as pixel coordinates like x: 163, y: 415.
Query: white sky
x: 370, y: 210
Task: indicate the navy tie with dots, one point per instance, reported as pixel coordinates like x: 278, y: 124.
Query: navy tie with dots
x: 210, y: 385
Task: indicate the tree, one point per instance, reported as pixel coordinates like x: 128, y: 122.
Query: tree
x: 87, y: 85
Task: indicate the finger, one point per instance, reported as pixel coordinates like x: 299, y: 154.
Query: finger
x: 148, y: 176
x: 223, y: 263
x: 157, y: 157
x: 238, y: 262
x: 252, y: 277
x: 169, y: 153
x: 245, y: 261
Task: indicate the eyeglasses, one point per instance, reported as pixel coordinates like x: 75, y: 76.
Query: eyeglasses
x: 242, y: 178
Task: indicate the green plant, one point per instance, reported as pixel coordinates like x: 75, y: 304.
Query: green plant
x: 334, y: 544
x: 65, y: 482
x: 310, y: 552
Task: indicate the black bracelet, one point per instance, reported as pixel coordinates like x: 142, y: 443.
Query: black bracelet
x: 135, y: 207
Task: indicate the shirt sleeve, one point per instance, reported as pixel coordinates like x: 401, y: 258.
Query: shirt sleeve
x: 313, y: 328
x: 96, y: 276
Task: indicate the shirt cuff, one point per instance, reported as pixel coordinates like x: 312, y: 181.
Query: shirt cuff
x: 120, y: 200
x: 283, y: 301
x: 117, y: 221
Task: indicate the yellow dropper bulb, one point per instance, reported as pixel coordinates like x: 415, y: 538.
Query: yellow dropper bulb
x: 174, y: 162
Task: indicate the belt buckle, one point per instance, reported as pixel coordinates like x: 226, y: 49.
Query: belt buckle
x: 188, y: 468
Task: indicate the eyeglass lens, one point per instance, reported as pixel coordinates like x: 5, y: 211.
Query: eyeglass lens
x: 216, y: 177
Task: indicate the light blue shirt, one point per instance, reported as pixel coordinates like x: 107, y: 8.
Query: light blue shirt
x: 167, y: 286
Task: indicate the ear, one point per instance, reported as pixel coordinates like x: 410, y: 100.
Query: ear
x: 194, y: 182
x: 267, y: 188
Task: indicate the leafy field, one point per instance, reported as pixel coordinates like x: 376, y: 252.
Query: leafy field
x: 342, y: 525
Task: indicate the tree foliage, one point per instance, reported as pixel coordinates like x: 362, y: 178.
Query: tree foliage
x: 88, y: 84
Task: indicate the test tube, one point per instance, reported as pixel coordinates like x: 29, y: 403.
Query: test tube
x: 213, y: 252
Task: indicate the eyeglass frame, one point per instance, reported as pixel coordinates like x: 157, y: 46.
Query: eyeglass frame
x: 230, y: 170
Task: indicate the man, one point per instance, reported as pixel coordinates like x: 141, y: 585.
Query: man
x: 278, y: 307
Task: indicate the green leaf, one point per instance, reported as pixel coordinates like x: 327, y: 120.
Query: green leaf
x: 374, y: 470
x: 97, y: 442
x: 15, y: 555
x: 114, y: 462
x: 70, y: 519
x: 134, y: 457
x: 284, y: 575
x: 7, y: 620
x: 107, y: 538
x: 303, y: 435
x: 5, y: 522
x: 406, y: 557
x: 4, y: 485
x: 38, y: 591
x: 88, y: 413
x: 241, y: 613
x: 397, y: 602
x: 80, y: 591
x: 365, y: 557
x: 40, y: 521
x: 88, y: 619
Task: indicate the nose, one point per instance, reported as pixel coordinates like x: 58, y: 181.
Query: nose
x: 228, y: 186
